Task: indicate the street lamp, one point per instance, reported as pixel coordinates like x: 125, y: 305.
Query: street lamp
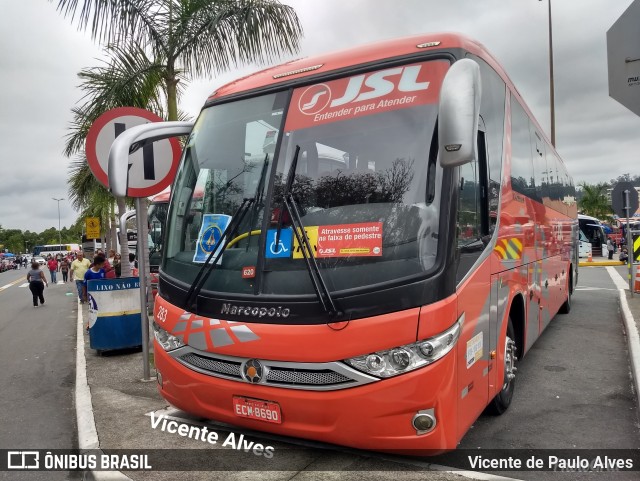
x: 551, y: 93
x: 59, y: 231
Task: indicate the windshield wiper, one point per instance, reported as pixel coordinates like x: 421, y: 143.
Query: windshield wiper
x: 258, y: 196
x: 236, y: 219
x: 324, y: 296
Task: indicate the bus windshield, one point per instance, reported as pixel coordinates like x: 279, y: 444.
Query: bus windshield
x: 366, y: 183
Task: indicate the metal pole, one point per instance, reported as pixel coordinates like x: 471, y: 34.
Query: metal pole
x: 144, y: 316
x: 551, y: 89
x: 629, y: 243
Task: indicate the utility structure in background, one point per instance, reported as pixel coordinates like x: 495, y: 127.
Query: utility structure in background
x: 59, y: 231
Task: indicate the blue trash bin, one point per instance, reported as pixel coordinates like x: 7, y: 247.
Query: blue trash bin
x: 114, y: 313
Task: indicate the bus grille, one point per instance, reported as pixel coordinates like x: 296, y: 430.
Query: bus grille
x: 212, y: 365
x: 308, y: 376
x: 319, y: 378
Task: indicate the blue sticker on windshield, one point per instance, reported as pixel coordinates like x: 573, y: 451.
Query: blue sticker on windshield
x: 283, y: 248
x: 213, y: 225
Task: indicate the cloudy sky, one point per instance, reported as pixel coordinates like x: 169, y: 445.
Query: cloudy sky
x: 41, y: 53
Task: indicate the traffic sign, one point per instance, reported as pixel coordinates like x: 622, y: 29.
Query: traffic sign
x: 623, y: 57
x: 152, y: 168
x: 618, y: 199
x: 92, y: 227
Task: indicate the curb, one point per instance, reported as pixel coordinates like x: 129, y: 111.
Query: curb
x: 633, y: 341
x: 600, y: 263
x: 87, y: 433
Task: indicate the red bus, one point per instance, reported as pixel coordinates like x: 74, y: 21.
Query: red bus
x: 382, y: 233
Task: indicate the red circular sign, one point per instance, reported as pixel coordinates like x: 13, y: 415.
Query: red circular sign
x: 153, y: 167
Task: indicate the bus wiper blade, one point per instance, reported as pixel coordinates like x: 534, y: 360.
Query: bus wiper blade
x: 208, y: 266
x: 324, y: 296
x: 287, y: 188
x: 258, y: 196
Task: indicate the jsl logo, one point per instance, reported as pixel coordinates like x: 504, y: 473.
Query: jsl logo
x: 361, y: 88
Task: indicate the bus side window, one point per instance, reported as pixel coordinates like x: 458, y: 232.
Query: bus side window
x: 473, y: 222
x: 469, y: 209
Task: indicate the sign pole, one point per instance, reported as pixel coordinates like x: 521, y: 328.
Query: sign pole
x: 629, y: 242
x: 144, y: 315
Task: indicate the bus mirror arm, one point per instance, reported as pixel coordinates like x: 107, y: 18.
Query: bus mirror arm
x: 131, y: 140
x: 459, y: 113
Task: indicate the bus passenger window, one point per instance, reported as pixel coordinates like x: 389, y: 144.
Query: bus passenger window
x: 469, y: 204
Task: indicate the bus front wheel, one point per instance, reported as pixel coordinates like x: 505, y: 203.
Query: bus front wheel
x: 566, y: 307
x: 501, y: 402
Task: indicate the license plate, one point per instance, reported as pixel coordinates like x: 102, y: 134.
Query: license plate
x: 257, y: 409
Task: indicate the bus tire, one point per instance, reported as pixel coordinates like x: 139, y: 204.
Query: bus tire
x: 502, y: 401
x: 566, y: 307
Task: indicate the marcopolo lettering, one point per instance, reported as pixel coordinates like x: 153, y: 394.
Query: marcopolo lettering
x: 234, y: 310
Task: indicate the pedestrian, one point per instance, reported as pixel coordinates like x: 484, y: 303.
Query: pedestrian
x: 610, y: 248
x: 37, y: 281
x: 117, y: 265
x: 109, y: 272
x: 24, y: 262
x: 78, y: 269
x: 52, y: 264
x: 133, y: 264
x: 96, y: 271
x: 64, y: 269
x: 624, y: 257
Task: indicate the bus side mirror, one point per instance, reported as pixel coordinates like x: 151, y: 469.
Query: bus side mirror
x: 459, y: 112
x: 133, y: 139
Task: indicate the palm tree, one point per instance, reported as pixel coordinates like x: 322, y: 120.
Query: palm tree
x: 594, y: 201
x: 153, y: 45
x: 158, y: 43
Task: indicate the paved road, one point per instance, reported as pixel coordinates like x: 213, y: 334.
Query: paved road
x: 38, y: 369
x: 574, y: 387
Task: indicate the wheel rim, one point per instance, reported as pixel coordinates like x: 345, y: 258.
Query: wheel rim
x: 509, y: 362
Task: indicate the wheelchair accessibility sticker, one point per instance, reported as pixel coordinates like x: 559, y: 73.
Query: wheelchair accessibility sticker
x: 213, y: 225
x: 283, y: 248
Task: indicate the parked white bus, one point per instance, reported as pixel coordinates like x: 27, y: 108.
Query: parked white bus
x: 592, y: 230
x: 55, y: 249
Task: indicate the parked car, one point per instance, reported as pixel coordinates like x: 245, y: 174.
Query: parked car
x: 8, y: 264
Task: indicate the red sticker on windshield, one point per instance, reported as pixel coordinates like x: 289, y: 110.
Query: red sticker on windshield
x: 349, y: 240
x: 248, y: 272
x: 366, y: 94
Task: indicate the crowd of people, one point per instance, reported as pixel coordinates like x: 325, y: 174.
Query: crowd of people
x: 613, y: 247
x: 74, y: 267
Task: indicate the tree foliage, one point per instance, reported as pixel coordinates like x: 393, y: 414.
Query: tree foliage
x: 18, y: 241
x: 594, y: 201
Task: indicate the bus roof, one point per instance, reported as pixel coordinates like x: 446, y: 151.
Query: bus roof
x: 306, y: 70
x: 361, y: 55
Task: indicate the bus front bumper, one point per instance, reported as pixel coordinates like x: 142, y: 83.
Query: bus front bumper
x: 376, y: 416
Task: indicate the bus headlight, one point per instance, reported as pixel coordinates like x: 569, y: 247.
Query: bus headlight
x: 407, y: 358
x: 168, y: 341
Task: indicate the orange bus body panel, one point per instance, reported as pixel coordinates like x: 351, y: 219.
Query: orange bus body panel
x: 298, y: 343
x: 329, y: 416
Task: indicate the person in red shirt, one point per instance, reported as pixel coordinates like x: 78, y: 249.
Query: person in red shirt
x: 52, y: 264
x: 109, y: 271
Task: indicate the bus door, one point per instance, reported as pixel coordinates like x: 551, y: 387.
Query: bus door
x: 474, y: 293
